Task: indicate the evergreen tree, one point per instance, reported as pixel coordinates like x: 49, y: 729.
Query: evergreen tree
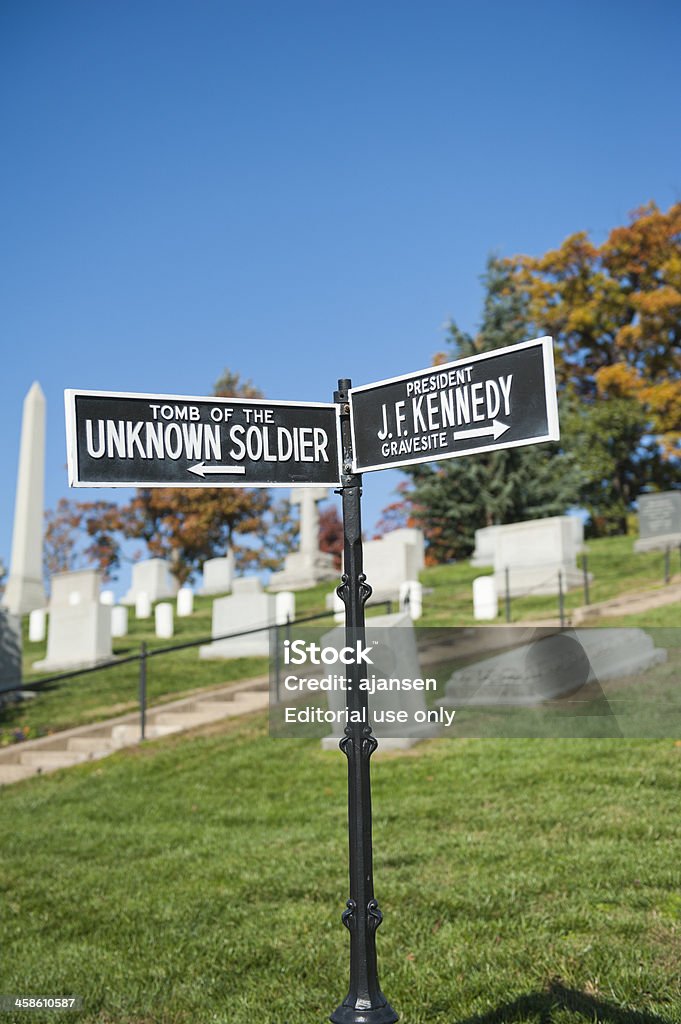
x: 453, y: 499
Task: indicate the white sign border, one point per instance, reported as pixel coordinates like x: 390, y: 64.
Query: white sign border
x: 553, y: 434
x: 70, y: 395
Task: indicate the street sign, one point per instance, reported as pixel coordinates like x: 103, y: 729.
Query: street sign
x: 135, y: 440
x: 500, y: 399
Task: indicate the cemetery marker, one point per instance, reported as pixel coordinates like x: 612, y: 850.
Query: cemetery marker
x: 501, y: 399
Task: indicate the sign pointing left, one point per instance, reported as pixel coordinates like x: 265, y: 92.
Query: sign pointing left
x: 135, y: 440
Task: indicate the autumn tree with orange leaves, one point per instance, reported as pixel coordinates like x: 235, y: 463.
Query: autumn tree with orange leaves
x: 614, y: 311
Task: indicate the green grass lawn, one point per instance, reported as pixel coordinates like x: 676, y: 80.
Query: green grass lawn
x: 612, y: 561
x: 202, y: 880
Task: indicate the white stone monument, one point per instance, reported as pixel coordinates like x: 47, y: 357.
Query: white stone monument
x: 79, y: 632
x: 535, y: 552
x: 218, y: 574
x: 395, y: 656
x: 246, y: 610
x: 25, y: 588
x: 185, y: 602
x: 307, y: 566
x: 119, y: 620
x: 163, y: 620
x: 108, y: 597
x: 285, y: 605
x: 484, y: 547
x: 247, y: 585
x: 411, y: 599
x: 396, y: 558
x: 154, y: 578
x: 485, y: 603
x: 37, y: 625
x: 142, y: 605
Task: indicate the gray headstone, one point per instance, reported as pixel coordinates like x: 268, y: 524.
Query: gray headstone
x: 659, y: 519
x: 154, y: 578
x: 535, y: 552
x: 551, y: 667
x: 10, y: 651
x: 243, y: 611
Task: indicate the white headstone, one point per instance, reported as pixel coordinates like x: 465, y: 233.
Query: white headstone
x: 119, y: 620
x: 307, y: 566
x: 393, y: 560
x: 485, y: 603
x: 72, y: 588
x: 25, y: 589
x: 142, y: 605
x: 218, y: 574
x: 411, y: 599
x: 247, y: 585
x: 185, y: 602
x: 484, y: 547
x: 238, y: 612
x: 78, y: 635
x: 335, y: 603
x: 153, y: 577
x: 108, y: 597
x: 535, y: 552
x: 37, y: 625
x: 163, y: 617
x: 285, y: 605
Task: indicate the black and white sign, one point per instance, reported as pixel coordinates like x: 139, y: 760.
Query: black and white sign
x: 500, y: 399
x: 132, y: 440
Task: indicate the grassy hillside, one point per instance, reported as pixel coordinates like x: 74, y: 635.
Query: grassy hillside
x: 447, y: 601
x: 202, y: 880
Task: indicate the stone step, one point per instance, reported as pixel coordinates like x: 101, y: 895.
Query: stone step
x: 47, y: 759
x: 127, y: 734
x: 252, y: 698
x: 15, y: 773
x: 180, y: 719
x: 216, y: 708
x: 91, y: 744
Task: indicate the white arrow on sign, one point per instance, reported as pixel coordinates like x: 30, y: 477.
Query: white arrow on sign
x: 200, y: 469
x: 497, y: 429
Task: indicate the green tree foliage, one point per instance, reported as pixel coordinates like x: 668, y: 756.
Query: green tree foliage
x: 452, y: 499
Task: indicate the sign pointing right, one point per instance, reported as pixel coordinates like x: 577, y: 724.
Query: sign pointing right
x: 500, y: 399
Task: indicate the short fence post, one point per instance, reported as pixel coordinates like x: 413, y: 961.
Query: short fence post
x: 667, y: 564
x: 561, y: 599
x: 508, y: 594
x: 143, y: 689
x: 585, y: 577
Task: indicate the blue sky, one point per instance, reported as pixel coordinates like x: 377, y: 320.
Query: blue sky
x: 299, y: 191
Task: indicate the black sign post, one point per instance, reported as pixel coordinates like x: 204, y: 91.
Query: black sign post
x: 364, y: 1003
x: 500, y: 399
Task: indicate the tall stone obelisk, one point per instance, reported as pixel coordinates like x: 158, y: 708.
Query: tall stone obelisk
x: 25, y: 589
